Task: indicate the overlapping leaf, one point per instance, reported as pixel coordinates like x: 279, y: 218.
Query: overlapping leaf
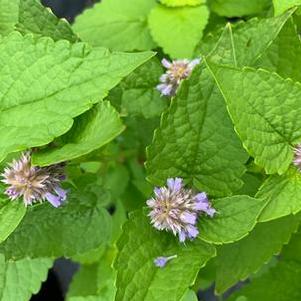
x: 45, y: 84
x: 239, y: 8
x: 236, y: 216
x: 280, y: 283
x: 283, y: 194
x: 137, y: 276
x: 11, y: 214
x: 196, y: 140
x: 117, y: 24
x: 237, y: 261
x: 175, y: 3
x: 281, y: 6
x: 90, y: 131
x: 22, y: 278
x: 178, y: 30
x: 265, y: 110
x: 53, y: 232
x: 29, y: 16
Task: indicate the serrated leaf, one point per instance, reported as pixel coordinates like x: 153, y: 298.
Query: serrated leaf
x: 178, y: 30
x: 20, y: 279
x: 239, y: 8
x: 30, y: 16
x: 70, y: 80
x: 89, y: 132
x: 280, y: 283
x: 243, y: 43
x: 175, y: 3
x: 75, y: 228
x: 137, y: 276
x: 11, y: 214
x: 196, y: 140
x: 117, y: 24
x: 258, y: 101
x: 236, y: 216
x: 237, y: 261
x: 139, y: 95
x: 283, y: 56
x: 282, y: 193
x: 281, y: 6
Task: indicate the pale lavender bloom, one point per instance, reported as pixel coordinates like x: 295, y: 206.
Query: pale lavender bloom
x: 33, y: 183
x: 175, y: 208
x: 297, y: 159
x: 177, y: 70
x: 161, y: 261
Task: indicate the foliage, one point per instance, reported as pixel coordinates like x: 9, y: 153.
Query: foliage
x: 85, y: 95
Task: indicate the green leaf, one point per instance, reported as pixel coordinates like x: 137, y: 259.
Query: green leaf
x: 281, y: 6
x: 30, y: 16
x: 175, y: 3
x: 178, y: 30
x: 257, y: 101
x: 283, y: 56
x: 94, y: 282
x: 243, y: 43
x: 11, y: 214
x: 35, y: 18
x: 293, y: 250
x: 137, y: 276
x: 189, y: 296
x: 237, y: 261
x: 20, y: 279
x: 236, y: 216
x: 117, y: 24
x: 77, y: 227
x: 196, y: 140
x: 239, y: 8
x: 283, y: 194
x: 90, y: 131
x: 280, y: 283
x: 8, y: 15
x: 71, y: 79
x: 139, y: 95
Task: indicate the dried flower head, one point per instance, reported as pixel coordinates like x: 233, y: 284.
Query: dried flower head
x: 161, y: 261
x: 176, y: 209
x: 177, y: 70
x: 297, y: 159
x: 33, y: 183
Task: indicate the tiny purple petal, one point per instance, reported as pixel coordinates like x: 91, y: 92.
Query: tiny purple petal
x: 166, y: 63
x: 151, y: 203
x: 188, y: 218
x: 192, y: 232
x: 201, y: 197
x: 182, y: 236
x: 211, y: 212
x: 194, y: 62
x: 160, y: 262
x: 55, y: 201
x: 61, y: 193
x: 175, y: 184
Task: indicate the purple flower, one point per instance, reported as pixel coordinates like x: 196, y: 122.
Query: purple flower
x: 33, y: 183
x: 175, y: 208
x: 161, y: 261
x: 297, y: 159
x: 177, y: 70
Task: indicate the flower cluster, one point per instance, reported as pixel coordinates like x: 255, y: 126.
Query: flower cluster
x: 33, y: 183
x: 176, y: 209
x: 177, y: 70
x: 297, y: 159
